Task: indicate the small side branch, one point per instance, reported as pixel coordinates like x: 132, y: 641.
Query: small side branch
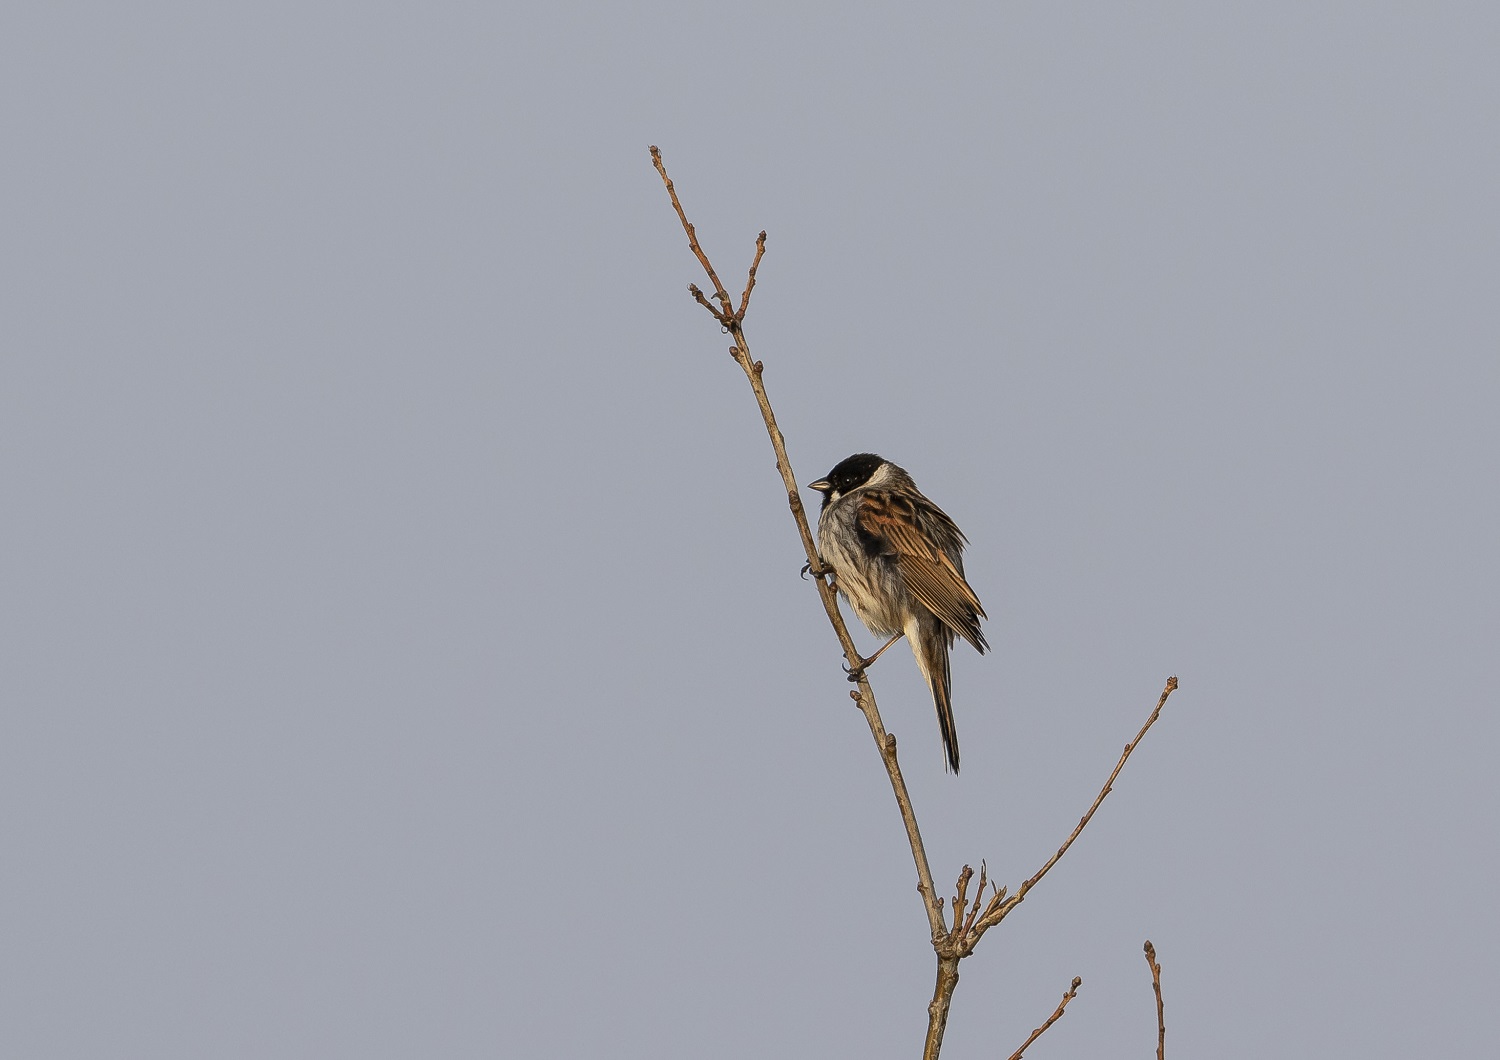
x: 1171, y: 687
x: 969, y: 924
x: 1056, y: 1015
x: 966, y: 935
x: 760, y: 252
x: 1161, y: 1022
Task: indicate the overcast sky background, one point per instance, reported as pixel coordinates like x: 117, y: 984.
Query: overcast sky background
x: 404, y: 648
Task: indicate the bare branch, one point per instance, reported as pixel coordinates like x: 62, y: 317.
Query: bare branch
x: 960, y: 899
x: 999, y: 907
x: 1171, y: 687
x: 1056, y: 1015
x: 760, y: 250
x: 978, y: 898
x: 1161, y: 1022
x: 969, y: 923
x: 864, y: 696
x: 704, y: 302
x: 692, y: 234
x: 942, y: 1000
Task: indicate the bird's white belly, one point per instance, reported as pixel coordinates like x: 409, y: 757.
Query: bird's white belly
x: 871, y: 584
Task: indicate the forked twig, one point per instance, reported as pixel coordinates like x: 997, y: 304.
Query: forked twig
x: 692, y: 234
x: 1056, y: 1015
x: 1161, y: 1021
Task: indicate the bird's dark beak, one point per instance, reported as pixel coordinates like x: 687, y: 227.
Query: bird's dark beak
x: 822, y: 485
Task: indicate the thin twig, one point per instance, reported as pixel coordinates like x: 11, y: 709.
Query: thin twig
x: 760, y: 251
x: 1000, y: 906
x: 692, y: 234
x: 864, y: 696
x: 978, y: 899
x: 1171, y: 687
x: 960, y: 898
x: 1056, y: 1015
x: 704, y: 302
x: 1161, y: 1021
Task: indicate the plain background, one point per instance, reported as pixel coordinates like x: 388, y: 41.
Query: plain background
x: 404, y: 653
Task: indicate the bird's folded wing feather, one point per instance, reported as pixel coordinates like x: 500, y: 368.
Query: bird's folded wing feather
x: 928, y: 571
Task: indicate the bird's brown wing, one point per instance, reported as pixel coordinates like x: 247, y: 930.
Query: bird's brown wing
x: 928, y: 570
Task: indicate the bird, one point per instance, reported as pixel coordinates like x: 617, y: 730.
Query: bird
x: 898, y: 559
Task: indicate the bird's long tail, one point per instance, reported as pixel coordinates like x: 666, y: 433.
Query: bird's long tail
x: 930, y: 645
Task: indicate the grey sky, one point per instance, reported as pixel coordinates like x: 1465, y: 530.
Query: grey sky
x: 405, y: 654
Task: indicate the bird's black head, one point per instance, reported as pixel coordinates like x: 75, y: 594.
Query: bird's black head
x: 848, y: 474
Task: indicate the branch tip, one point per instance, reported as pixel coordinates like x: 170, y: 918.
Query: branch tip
x: 1161, y: 1021
x: 1071, y: 993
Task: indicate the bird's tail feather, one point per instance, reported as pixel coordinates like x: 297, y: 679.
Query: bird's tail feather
x: 931, y: 646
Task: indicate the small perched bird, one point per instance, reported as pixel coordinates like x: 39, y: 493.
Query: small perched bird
x: 898, y: 560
